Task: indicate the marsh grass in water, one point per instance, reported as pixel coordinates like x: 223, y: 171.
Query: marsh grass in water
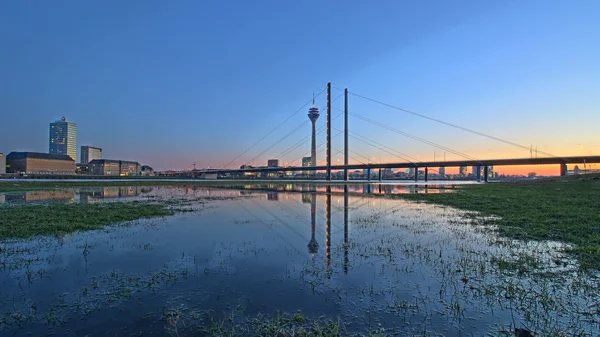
x: 563, y: 209
x: 28, y: 220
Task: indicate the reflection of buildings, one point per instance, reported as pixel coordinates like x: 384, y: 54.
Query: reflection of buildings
x: 95, y: 194
x: 34, y: 196
x: 313, y: 245
x: 273, y: 196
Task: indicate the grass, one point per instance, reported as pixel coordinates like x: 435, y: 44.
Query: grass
x: 564, y: 209
x: 28, y: 220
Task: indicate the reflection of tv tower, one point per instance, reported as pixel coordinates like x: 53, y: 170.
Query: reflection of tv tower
x: 313, y: 245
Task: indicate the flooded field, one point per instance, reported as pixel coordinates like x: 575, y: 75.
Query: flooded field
x: 233, y: 261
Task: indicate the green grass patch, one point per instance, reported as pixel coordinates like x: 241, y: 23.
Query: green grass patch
x: 28, y: 220
x: 561, y: 209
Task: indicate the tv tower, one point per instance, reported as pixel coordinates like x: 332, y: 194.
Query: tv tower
x: 313, y: 115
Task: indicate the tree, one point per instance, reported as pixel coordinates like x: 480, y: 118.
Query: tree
x: 531, y: 174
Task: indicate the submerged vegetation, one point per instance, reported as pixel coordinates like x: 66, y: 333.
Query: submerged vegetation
x: 27, y: 220
x: 563, y: 209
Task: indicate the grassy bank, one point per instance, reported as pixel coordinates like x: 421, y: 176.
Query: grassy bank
x: 564, y: 209
x: 28, y: 220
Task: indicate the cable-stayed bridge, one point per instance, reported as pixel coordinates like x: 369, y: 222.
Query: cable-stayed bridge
x: 418, y: 167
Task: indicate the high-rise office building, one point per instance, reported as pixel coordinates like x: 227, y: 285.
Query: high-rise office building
x: 63, y: 138
x: 463, y: 171
x: 273, y: 163
x: 89, y: 153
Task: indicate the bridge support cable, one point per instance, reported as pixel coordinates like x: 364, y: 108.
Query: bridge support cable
x: 441, y: 147
x: 284, y: 137
x: 381, y: 147
x: 321, y: 150
x: 277, y: 142
x: 275, y: 128
x: 302, y: 141
x: 453, y: 125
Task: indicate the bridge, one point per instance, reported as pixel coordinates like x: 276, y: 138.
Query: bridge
x: 408, y: 161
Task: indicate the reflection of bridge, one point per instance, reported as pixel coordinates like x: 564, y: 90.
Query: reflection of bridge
x: 409, y: 162
x: 313, y: 245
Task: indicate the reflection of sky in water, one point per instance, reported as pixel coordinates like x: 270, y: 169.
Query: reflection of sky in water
x: 98, y: 194
x: 391, y: 263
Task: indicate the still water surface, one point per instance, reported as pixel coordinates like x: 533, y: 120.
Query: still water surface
x: 342, y: 252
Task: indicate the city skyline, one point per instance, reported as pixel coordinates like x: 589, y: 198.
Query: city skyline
x: 489, y: 67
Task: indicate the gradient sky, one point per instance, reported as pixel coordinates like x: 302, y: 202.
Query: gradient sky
x: 172, y: 83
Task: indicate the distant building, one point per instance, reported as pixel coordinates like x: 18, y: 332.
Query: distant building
x: 82, y: 169
x: 306, y: 162
x: 63, y: 138
x: 273, y: 163
x: 442, y: 171
x: 476, y: 170
x: 109, y: 167
x: 462, y: 171
x: 2, y: 164
x: 147, y: 170
x: 40, y: 163
x: 89, y: 153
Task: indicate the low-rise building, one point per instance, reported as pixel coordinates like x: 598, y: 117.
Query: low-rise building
x: 110, y: 167
x: 147, y: 170
x: 89, y: 153
x: 2, y: 164
x: 40, y: 163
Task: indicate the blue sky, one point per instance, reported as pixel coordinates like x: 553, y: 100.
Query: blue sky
x: 174, y: 83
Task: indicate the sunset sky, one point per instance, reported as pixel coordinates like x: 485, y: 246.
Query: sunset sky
x: 176, y: 83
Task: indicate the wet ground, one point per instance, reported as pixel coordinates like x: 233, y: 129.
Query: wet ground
x: 344, y: 253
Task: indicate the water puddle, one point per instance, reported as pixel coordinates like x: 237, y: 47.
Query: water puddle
x: 374, y: 264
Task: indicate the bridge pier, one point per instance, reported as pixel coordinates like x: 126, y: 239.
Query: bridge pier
x: 369, y: 174
x: 485, y: 173
x: 380, y: 175
x: 426, y: 174
x: 478, y: 175
x: 417, y: 173
x: 563, y: 169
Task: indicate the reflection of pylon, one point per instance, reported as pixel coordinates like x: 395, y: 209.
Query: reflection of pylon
x: 313, y: 245
x: 328, y: 225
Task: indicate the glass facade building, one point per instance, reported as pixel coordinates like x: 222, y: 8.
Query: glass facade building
x: 63, y: 138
